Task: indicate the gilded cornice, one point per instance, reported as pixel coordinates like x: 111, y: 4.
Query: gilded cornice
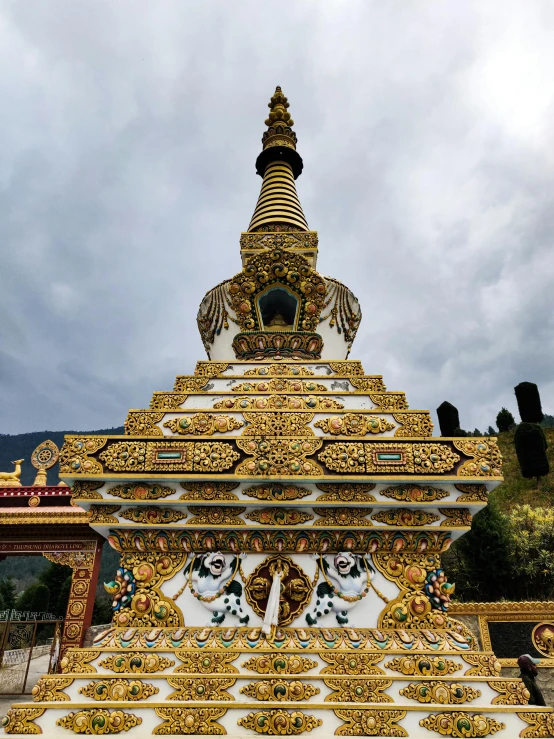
x: 504, y: 607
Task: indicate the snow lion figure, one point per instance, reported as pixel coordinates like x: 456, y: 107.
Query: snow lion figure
x: 346, y: 583
x: 212, y: 582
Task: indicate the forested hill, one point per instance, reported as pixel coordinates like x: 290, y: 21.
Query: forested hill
x: 21, y: 446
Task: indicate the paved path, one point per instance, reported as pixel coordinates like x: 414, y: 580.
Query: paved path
x: 37, y: 668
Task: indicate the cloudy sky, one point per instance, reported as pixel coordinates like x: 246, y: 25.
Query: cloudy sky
x: 129, y: 132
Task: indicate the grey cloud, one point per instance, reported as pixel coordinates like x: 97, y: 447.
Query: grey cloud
x: 129, y: 134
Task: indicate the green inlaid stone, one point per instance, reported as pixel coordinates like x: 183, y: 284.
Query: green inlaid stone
x: 383, y: 456
x: 169, y: 455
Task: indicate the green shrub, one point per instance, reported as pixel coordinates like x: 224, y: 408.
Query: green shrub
x: 449, y: 419
x: 529, y: 402
x: 505, y: 421
x: 530, y: 444
x: 35, y: 598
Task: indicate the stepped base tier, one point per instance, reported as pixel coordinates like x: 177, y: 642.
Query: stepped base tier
x: 281, y: 518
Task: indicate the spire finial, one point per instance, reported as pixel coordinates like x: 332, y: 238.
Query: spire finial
x: 279, y: 122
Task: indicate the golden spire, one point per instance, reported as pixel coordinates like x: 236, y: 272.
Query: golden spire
x: 278, y: 207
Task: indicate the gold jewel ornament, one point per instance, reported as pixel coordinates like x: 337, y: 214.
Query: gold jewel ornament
x: 280, y: 386
x: 140, y: 491
x: 98, y: 721
x: 21, y: 720
x: 279, y: 517
x: 143, y: 423
x: 292, y: 664
x: 487, y: 460
x: 279, y: 721
x: 370, y: 722
x: 216, y: 516
x: 77, y: 660
x: 421, y: 664
x: 352, y: 663
x: 279, y: 690
x: 278, y: 456
x: 415, y: 493
x: 136, y: 662
x: 276, y: 492
x: 279, y: 369
x: 118, y: 689
x: 280, y: 402
x: 153, y: 515
x: 437, y: 691
x: 405, y: 517
x: 346, y: 491
x: 201, y: 688
x: 203, y: 424
x: 485, y: 665
x: 189, y: 721
x: 354, y: 424
x: 461, y: 724
x: 208, y: 491
x: 342, y: 517
x: 278, y: 423
x: 51, y: 689
x: 207, y: 662
x: 358, y: 690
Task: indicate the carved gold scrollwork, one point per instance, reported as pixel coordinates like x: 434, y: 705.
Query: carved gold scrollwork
x: 370, y: 722
x: 456, y: 517
x: 98, y: 721
x: 118, y: 689
x: 103, y: 513
x: 86, y: 490
x: 136, y: 662
x: 280, y: 402
x: 276, y: 491
x: 167, y: 401
x: 541, y: 725
x: 354, y: 424
x: 187, y: 384
x: 368, y: 384
x: 207, y: 662
x: 280, y: 386
x: 278, y: 721
x: 342, y: 517
x: 208, y: 491
x: 21, y: 720
x: 203, y: 424
x: 292, y: 664
x: 347, y: 369
x: 143, y: 423
x: 358, y: 690
x: 422, y: 664
x: 278, y: 456
x: 51, y: 689
x: 279, y: 516
x: 216, y: 515
x: 414, y: 493
x: 389, y: 401
x: 280, y: 369
x: 413, y: 425
x: 75, y: 459
x: 437, y: 691
x: 405, y: 517
x: 352, y: 663
x: 201, y: 688
x: 278, y: 424
x: 210, y: 369
x: 279, y: 690
x: 190, y: 721
x: 485, y: 665
x: 512, y: 692
x: 487, y: 460
x: 461, y: 724
x: 472, y: 493
x: 77, y: 660
x: 359, y: 457
x: 345, y: 491
x: 153, y: 515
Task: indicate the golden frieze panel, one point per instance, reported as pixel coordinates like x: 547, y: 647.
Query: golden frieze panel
x: 347, y: 368
x: 358, y: 690
x: 153, y: 515
x: 389, y: 401
x: 486, y: 458
x: 278, y: 456
x: 456, y: 517
x: 346, y: 492
x: 103, y: 513
x: 279, y: 240
x: 310, y: 541
x: 279, y: 690
x: 216, y: 516
x: 189, y: 721
x: 472, y: 493
x: 278, y: 424
x: 438, y: 691
x: 280, y: 385
x: 360, y: 457
x: 485, y: 665
x: 140, y: 491
x: 541, y: 725
x: 207, y: 662
x: 136, y: 662
x: 187, y: 384
x: 278, y: 721
x: 342, y: 517
x: 352, y: 663
x: 210, y: 369
x: 370, y: 722
x: 167, y: 401
x: 280, y: 402
x: 208, y: 491
x: 86, y: 490
x: 118, y: 689
x: 414, y: 493
x: 405, y: 517
x: 512, y: 692
x: 354, y: 424
x: 290, y: 664
x: 51, y: 689
x: 75, y: 455
x: 276, y: 491
x: 424, y: 665
x: 143, y: 423
x: 413, y: 425
x: 201, y: 688
x: 172, y: 456
x: 203, y: 424
x: 279, y: 369
x: 21, y: 720
x: 279, y: 516
x: 98, y: 721
x: 461, y: 724
x: 368, y: 384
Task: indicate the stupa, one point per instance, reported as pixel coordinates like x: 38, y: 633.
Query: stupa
x: 281, y: 518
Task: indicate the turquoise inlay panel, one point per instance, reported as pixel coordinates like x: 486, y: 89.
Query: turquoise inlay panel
x: 382, y: 457
x: 169, y: 455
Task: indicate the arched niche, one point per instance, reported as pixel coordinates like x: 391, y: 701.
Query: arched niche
x: 278, y: 309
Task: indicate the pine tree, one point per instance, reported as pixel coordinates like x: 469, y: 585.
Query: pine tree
x: 505, y: 421
x: 530, y: 443
x: 491, y: 431
x: 8, y: 592
x: 449, y: 419
x: 35, y: 598
x: 529, y: 402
